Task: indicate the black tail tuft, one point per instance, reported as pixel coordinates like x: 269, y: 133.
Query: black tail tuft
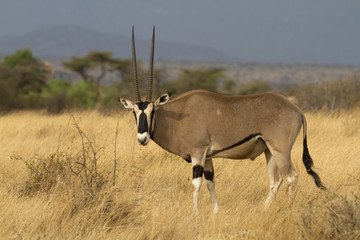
x: 308, y: 162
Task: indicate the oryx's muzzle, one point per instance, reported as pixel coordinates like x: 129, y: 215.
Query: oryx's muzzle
x: 143, y: 138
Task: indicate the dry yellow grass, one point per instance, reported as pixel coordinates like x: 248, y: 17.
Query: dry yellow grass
x: 152, y: 195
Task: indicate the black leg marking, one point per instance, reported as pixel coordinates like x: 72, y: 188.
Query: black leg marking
x: 209, y: 175
x: 197, y: 171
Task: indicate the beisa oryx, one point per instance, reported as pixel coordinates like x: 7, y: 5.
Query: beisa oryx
x: 201, y: 125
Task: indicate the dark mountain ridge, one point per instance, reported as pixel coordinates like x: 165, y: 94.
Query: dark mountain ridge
x: 64, y: 42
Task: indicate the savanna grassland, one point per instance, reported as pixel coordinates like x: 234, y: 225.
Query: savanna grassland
x: 82, y: 175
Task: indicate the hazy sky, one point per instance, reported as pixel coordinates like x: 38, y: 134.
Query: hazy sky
x: 283, y: 31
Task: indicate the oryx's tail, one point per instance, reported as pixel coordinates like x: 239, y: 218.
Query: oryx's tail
x: 307, y: 160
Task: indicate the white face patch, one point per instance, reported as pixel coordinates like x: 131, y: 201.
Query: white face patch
x: 148, y: 112
x: 136, y: 112
x: 218, y: 112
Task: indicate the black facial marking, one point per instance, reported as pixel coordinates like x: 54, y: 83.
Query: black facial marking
x: 152, y: 114
x: 135, y: 116
x: 143, y: 105
x: 151, y: 119
x: 197, y: 171
x: 143, y: 126
x: 209, y: 175
x: 235, y: 144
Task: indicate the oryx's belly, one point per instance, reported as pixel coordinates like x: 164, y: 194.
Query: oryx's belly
x: 251, y: 148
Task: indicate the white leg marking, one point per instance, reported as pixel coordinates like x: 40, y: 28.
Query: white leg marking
x: 211, y: 186
x: 197, y: 185
x: 210, y: 182
x: 198, y: 162
x: 292, y: 180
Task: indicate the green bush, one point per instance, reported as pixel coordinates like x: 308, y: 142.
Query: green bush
x: 81, y: 95
x: 55, y: 95
x: 109, y: 98
x: 21, y: 77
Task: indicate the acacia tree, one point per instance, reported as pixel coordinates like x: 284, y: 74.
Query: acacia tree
x: 80, y: 66
x: 93, y: 67
x: 102, y: 61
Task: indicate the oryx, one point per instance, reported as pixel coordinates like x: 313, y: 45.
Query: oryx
x: 201, y: 125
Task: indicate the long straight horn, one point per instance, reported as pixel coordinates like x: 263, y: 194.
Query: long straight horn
x: 136, y: 80
x: 151, y: 67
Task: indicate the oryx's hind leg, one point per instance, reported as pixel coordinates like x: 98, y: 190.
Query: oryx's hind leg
x: 283, y: 162
x: 210, y: 182
x: 274, y: 177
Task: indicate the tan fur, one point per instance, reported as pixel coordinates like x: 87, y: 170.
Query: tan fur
x: 190, y: 122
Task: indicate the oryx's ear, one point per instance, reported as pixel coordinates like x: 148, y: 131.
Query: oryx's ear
x: 127, y: 103
x: 162, y: 100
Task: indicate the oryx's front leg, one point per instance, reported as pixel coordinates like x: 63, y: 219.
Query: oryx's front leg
x: 198, y: 163
x: 210, y: 182
x: 198, y: 171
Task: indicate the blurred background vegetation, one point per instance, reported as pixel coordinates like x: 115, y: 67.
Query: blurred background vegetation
x: 28, y: 83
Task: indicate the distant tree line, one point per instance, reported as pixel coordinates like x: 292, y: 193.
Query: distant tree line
x: 28, y: 83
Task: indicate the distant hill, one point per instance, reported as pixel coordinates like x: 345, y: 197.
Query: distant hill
x: 63, y: 42
x: 56, y: 44
x: 278, y: 75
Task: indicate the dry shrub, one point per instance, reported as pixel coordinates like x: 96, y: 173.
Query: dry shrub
x: 75, y: 172
x: 63, y: 171
x: 74, y: 181
x: 334, y: 217
x: 45, y: 172
x: 339, y: 95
